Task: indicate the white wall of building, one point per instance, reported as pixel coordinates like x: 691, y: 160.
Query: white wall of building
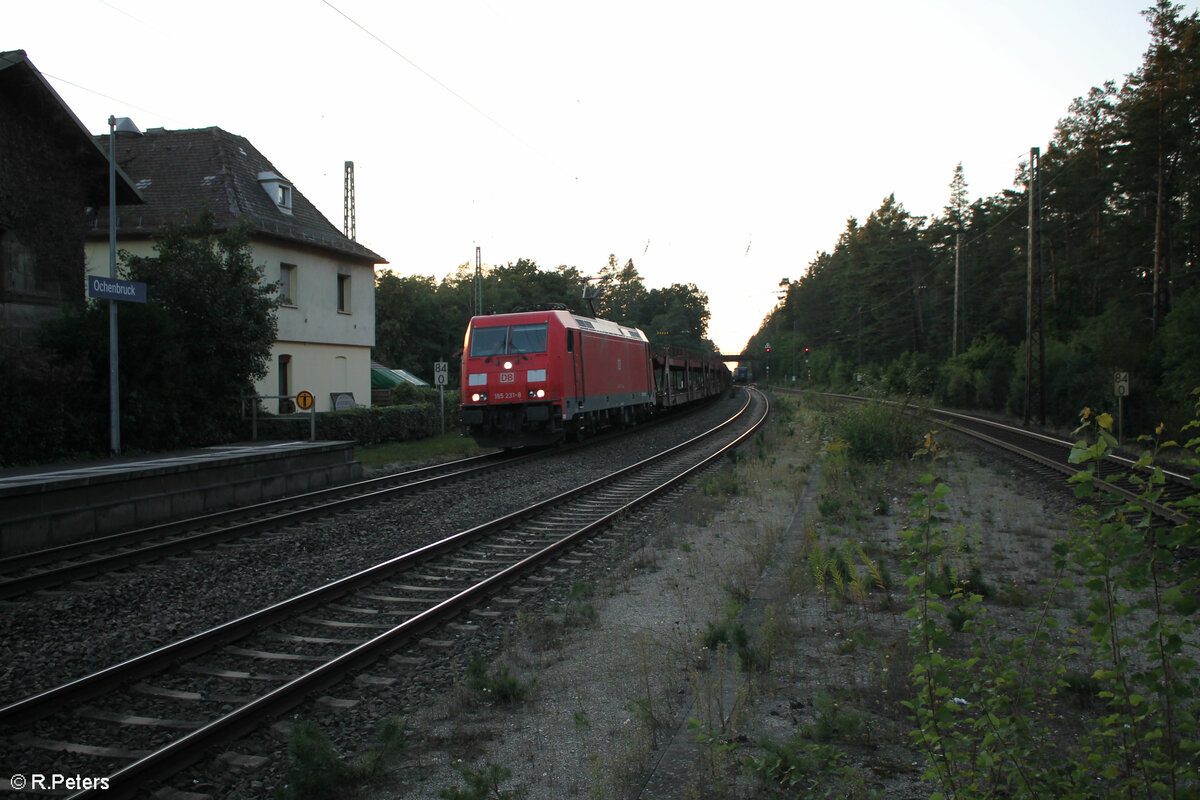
x: 324, y: 370
x: 328, y: 347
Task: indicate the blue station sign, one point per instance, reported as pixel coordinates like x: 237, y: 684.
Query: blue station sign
x: 116, y: 289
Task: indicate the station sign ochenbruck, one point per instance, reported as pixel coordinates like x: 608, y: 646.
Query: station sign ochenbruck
x: 116, y: 289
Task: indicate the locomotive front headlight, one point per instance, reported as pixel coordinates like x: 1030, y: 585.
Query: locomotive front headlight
x: 541, y: 392
x: 478, y: 397
x: 508, y: 365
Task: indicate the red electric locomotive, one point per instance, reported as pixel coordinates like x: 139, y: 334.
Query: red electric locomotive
x: 535, y: 377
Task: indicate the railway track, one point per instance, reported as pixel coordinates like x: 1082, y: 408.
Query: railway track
x: 152, y: 715
x: 1051, y: 457
x: 1053, y: 453
x: 43, y: 569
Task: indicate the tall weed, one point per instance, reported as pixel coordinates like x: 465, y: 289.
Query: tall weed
x: 989, y: 711
x: 877, y: 432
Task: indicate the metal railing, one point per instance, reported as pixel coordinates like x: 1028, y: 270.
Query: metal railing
x: 310, y: 414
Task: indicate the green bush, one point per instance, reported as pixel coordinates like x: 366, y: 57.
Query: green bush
x: 482, y: 784
x: 876, y: 432
x: 411, y: 394
x: 579, y: 611
x: 980, y: 377
x: 734, y: 636
x: 316, y: 770
x: 500, y: 687
x: 910, y: 375
x: 833, y: 724
x: 1181, y: 357
x: 1073, y: 381
x: 804, y: 768
x: 51, y: 407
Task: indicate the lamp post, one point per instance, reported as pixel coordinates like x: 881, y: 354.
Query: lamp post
x: 115, y: 125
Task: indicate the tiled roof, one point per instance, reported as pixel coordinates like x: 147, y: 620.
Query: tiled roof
x: 182, y: 174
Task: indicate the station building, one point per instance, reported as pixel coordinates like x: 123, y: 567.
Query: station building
x: 326, y: 321
x: 51, y: 170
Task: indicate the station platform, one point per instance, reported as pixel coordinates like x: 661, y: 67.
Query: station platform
x: 44, y: 507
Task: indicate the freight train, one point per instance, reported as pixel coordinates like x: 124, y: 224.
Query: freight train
x: 540, y: 376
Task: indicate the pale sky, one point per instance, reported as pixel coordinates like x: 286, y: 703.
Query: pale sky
x: 721, y: 144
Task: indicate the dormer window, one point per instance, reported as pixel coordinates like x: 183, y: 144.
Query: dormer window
x: 278, y: 189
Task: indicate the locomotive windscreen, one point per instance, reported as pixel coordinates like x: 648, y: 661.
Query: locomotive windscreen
x: 504, y: 340
x: 528, y: 338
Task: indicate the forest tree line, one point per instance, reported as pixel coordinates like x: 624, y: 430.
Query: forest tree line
x: 1116, y: 234
x: 419, y: 320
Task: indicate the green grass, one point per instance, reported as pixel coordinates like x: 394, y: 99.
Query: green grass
x: 452, y: 444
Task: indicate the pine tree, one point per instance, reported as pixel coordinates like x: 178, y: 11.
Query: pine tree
x: 956, y: 212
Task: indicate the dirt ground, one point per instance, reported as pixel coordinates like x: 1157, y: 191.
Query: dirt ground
x: 621, y: 686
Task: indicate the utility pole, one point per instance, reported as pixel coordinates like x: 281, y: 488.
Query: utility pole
x: 859, y: 338
x: 478, y: 284
x: 957, y: 248
x: 348, y: 215
x: 795, y: 349
x: 1035, y: 345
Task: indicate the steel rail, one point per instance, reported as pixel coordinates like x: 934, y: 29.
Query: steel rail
x: 170, y: 759
x: 271, y: 514
x: 969, y: 425
x: 49, y: 555
x: 38, y: 706
x: 1068, y: 470
x: 246, y: 520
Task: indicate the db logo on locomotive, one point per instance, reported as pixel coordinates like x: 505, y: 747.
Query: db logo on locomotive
x: 508, y: 377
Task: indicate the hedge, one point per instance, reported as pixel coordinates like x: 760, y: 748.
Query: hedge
x: 366, y: 426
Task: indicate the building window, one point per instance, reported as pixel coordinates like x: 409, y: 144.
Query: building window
x: 287, y: 284
x: 343, y: 294
x: 278, y: 189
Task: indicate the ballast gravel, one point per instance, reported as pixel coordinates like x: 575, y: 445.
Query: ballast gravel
x: 65, y: 633
x: 659, y: 578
